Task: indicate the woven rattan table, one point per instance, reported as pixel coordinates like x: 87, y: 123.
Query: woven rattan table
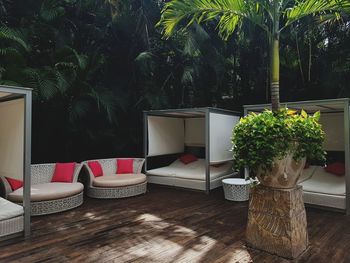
x: 236, y: 189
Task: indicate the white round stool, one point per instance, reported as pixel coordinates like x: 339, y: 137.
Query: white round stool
x: 236, y: 189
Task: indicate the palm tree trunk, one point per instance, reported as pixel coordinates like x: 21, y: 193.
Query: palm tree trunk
x: 275, y: 58
x: 275, y: 74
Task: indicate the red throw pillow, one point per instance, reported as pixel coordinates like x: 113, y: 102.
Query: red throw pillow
x: 96, y: 168
x: 188, y: 158
x: 125, y: 166
x: 336, y: 168
x: 63, y: 173
x: 14, y: 183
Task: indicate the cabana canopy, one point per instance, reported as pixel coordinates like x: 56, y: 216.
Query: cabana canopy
x: 335, y: 120
x: 171, y: 131
x: 15, y: 140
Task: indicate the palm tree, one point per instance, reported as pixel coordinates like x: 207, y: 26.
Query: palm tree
x: 272, y: 16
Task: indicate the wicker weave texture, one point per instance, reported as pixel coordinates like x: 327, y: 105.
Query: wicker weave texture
x: 117, y: 192
x: 42, y: 173
x: 11, y: 226
x: 235, y: 192
x: 56, y: 206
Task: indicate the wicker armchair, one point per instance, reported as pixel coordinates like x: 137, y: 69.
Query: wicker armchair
x: 133, y: 184
x: 48, y: 197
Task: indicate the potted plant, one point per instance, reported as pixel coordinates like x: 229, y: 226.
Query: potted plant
x: 274, y: 146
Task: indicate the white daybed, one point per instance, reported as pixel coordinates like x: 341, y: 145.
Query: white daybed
x: 15, y: 156
x: 190, y: 175
x: 206, y: 132
x: 320, y: 187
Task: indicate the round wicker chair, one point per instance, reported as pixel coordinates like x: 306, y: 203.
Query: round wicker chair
x: 109, y: 167
x: 41, y: 175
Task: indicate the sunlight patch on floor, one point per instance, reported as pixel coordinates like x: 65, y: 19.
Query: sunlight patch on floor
x: 174, y: 243
x: 153, y: 221
x: 92, y: 216
x: 239, y: 254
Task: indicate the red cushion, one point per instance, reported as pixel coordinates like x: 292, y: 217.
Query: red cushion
x: 336, y: 168
x: 14, y: 183
x: 63, y: 173
x: 188, y: 158
x: 96, y: 168
x: 125, y: 166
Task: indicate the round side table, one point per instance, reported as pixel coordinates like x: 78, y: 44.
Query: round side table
x: 236, y: 189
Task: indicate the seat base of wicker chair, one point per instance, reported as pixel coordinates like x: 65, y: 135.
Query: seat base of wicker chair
x: 117, y: 192
x: 11, y: 226
x: 56, y: 206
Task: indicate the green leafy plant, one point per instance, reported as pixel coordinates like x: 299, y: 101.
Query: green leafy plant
x: 261, y: 138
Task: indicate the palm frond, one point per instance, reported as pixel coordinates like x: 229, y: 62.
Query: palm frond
x: 8, y: 51
x: 42, y: 80
x: 7, y: 33
x: 229, y: 14
x: 66, y: 74
x: 51, y: 9
x: 329, y: 9
x: 105, y: 102
x: 78, y: 110
x: 68, y: 56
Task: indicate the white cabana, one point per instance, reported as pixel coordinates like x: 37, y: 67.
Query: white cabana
x: 169, y: 133
x: 15, y: 141
x: 321, y: 188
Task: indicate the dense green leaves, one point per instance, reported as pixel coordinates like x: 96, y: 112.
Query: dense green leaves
x: 259, y: 139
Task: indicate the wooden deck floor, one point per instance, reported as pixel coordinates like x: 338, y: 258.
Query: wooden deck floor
x: 166, y: 225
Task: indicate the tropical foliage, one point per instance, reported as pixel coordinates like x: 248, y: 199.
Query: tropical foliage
x: 272, y: 16
x: 95, y: 65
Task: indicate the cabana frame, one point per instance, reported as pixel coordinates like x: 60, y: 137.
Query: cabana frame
x: 326, y: 106
x: 15, y: 93
x: 188, y: 113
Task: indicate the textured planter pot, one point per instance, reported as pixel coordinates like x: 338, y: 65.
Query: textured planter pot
x: 284, y: 173
x: 277, y: 221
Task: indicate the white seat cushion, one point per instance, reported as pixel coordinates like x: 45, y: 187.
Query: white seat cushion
x: 192, y: 171
x: 48, y: 191
x: 166, y: 171
x: 307, y: 173
x: 117, y: 180
x: 325, y: 183
x: 9, y: 210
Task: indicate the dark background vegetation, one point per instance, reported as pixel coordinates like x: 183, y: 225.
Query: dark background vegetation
x: 95, y: 65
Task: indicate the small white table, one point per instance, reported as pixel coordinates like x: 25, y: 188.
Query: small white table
x: 236, y: 189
